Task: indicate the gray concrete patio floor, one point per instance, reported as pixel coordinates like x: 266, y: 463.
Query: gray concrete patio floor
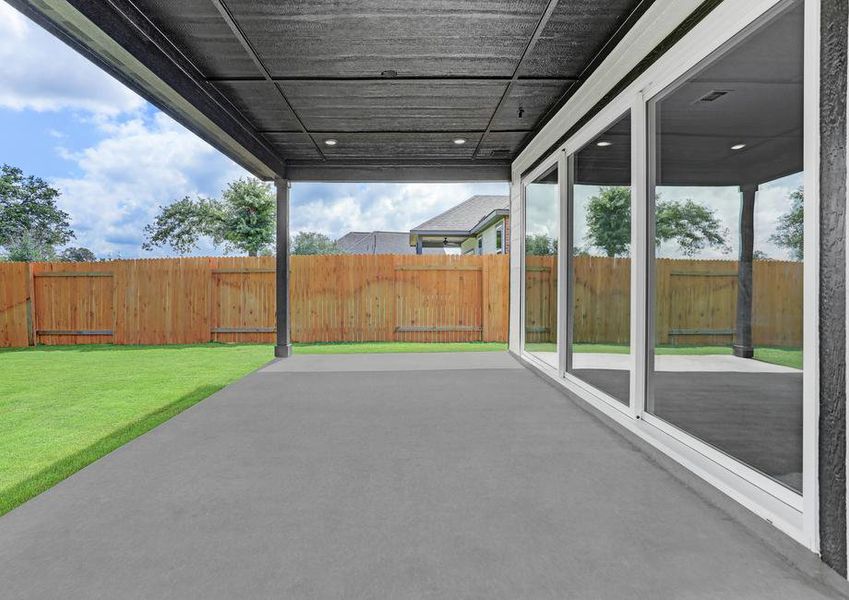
x: 416, y: 476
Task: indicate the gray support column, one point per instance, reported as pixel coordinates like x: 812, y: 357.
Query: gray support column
x: 283, y: 348
x: 834, y: 18
x: 743, y: 326
x: 418, y: 245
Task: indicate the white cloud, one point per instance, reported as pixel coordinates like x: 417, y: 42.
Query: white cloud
x: 335, y: 209
x: 140, y: 164
x: 39, y: 72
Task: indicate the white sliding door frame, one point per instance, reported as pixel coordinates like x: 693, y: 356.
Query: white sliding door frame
x: 795, y: 514
x: 543, y: 167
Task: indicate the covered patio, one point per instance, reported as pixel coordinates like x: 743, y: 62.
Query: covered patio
x: 394, y: 476
x: 467, y: 476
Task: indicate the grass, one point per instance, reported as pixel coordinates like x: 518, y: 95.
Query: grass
x: 385, y: 347
x: 63, y: 407
x: 788, y: 357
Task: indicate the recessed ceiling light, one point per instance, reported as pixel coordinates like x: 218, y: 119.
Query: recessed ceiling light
x: 459, y: 141
x: 604, y: 144
x: 738, y: 146
x: 330, y: 142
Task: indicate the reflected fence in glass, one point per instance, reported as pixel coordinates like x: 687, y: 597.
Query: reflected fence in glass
x: 726, y: 277
x: 542, y: 208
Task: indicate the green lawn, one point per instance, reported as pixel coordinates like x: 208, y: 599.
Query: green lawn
x: 384, y: 347
x: 63, y: 407
x: 788, y: 357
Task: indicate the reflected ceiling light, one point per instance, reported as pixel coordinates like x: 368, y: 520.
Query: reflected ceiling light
x: 331, y: 142
x: 459, y: 141
x: 738, y: 146
x: 604, y: 144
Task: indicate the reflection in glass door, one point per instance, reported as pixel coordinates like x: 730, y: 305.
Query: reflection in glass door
x: 726, y: 278
x: 542, y: 207
x: 599, y: 296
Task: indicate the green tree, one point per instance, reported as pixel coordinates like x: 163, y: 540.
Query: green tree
x: 181, y: 225
x: 27, y: 248
x: 790, y: 232
x: 31, y: 224
x: 77, y: 254
x: 692, y: 225
x: 248, y: 212
x: 311, y: 242
x: 540, y: 244
x: 243, y: 220
x: 609, y: 220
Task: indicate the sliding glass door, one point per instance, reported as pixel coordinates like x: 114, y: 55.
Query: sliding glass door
x: 599, y: 288
x: 541, y: 242
x: 726, y: 267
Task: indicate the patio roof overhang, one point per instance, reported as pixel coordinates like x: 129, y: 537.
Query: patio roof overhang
x: 393, y: 83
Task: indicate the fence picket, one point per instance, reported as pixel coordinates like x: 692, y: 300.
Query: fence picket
x: 343, y: 298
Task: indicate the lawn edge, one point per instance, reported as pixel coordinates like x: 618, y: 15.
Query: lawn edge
x: 19, y: 493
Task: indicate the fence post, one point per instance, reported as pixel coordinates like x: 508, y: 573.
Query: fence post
x: 485, y: 263
x: 30, y: 287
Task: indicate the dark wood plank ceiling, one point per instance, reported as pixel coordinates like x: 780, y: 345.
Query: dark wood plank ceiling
x: 391, y: 79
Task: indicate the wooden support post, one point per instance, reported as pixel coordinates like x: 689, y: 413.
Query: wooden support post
x: 283, y: 348
x: 743, y: 328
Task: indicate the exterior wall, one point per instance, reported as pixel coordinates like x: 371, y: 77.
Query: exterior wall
x: 489, y: 237
x: 832, y: 284
x: 488, y: 234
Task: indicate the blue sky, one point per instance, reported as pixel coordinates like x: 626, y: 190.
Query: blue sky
x: 115, y: 158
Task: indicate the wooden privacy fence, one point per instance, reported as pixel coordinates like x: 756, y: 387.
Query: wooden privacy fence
x: 695, y: 301
x: 380, y: 298
x: 192, y: 300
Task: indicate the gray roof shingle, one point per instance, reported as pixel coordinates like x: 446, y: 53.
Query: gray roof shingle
x: 465, y: 215
x: 377, y: 242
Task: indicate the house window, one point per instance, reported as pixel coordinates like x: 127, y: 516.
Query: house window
x: 480, y: 244
x: 725, y: 254
x: 499, y: 239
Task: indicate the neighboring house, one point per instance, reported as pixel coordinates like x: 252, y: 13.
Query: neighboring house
x: 480, y: 225
x: 378, y: 242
